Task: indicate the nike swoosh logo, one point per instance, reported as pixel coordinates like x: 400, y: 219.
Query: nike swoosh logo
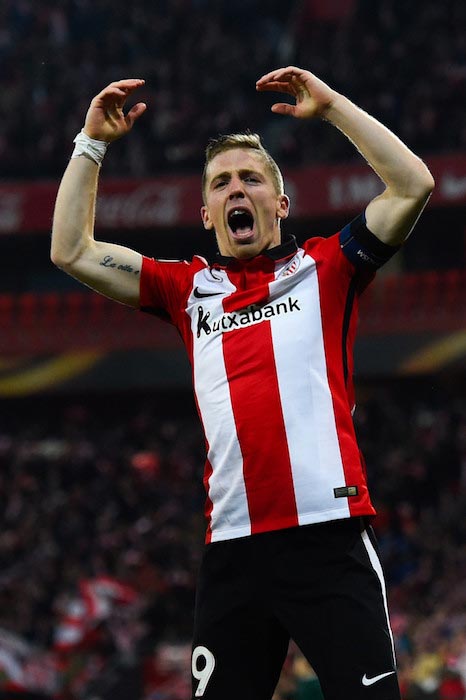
x: 200, y: 295
x: 370, y: 681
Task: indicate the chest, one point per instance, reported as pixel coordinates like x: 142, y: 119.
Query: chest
x: 284, y: 301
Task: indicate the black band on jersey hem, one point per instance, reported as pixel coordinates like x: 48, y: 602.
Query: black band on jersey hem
x: 362, y: 247
x: 287, y: 247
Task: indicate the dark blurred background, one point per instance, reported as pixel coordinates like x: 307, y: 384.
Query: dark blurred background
x: 101, y: 451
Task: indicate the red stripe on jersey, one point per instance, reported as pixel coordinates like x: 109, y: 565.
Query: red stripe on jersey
x: 256, y: 273
x: 333, y: 304
x: 255, y: 399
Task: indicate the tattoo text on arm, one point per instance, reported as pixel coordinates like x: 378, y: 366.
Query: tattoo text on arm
x: 108, y: 261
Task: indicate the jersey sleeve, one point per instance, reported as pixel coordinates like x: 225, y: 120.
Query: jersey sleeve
x: 354, y: 253
x: 362, y: 248
x: 164, y: 287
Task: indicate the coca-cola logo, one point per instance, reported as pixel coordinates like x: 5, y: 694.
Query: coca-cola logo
x: 149, y: 205
x: 11, y: 211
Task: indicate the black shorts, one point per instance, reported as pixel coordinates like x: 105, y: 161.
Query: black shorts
x: 322, y: 586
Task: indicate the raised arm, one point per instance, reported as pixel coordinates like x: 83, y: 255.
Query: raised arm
x: 108, y: 268
x: 408, y: 183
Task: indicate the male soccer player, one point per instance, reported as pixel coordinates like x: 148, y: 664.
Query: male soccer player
x: 269, y: 328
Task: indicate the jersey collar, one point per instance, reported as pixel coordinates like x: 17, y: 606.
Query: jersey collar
x: 286, y: 249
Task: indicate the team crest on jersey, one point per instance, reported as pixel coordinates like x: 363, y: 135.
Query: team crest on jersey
x: 292, y: 267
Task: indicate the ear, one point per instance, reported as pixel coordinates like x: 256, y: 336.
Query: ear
x: 283, y: 206
x: 205, y: 216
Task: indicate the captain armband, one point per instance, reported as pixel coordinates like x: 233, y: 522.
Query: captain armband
x: 362, y: 247
x: 90, y: 148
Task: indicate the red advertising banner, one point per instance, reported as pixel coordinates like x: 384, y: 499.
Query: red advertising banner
x: 172, y: 201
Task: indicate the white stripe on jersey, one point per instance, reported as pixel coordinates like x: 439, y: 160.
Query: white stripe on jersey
x: 306, y: 397
x: 226, y: 488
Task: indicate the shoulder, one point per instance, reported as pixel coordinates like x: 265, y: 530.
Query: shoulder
x: 166, y: 283
x: 327, y: 251
x: 172, y: 268
x: 320, y: 245
x: 355, y: 245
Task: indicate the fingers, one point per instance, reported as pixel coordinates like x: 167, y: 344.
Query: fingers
x: 134, y: 113
x: 113, y: 97
x: 285, y: 80
x: 284, y: 108
x: 129, y: 84
x: 276, y: 86
x: 281, y: 75
x: 106, y: 119
x: 120, y: 89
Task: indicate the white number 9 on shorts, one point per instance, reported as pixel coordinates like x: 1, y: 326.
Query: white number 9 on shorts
x: 205, y: 673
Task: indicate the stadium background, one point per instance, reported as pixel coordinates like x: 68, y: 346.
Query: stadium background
x: 100, y: 449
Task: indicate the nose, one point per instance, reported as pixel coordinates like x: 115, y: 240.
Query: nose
x: 236, y: 189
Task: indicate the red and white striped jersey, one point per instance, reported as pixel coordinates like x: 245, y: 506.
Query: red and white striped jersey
x: 270, y: 343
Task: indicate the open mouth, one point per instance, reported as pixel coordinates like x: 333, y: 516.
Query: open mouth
x: 241, y: 223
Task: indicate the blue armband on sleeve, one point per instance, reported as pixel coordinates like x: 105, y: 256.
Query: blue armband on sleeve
x: 362, y: 247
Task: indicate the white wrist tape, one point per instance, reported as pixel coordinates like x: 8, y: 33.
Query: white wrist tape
x: 91, y: 148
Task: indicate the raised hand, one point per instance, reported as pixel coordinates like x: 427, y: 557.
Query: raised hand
x: 313, y: 97
x: 105, y: 119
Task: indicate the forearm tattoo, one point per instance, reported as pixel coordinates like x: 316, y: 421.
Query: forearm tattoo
x: 109, y: 261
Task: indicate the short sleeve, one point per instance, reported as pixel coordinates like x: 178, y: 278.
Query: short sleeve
x: 164, y: 286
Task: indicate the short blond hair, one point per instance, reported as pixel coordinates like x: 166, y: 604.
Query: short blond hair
x: 244, y: 140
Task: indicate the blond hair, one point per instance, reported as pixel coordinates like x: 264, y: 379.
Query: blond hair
x: 243, y: 140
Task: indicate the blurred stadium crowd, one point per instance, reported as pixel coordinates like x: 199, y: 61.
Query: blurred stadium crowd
x: 102, y: 531
x: 405, y: 62
x: 102, y: 525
